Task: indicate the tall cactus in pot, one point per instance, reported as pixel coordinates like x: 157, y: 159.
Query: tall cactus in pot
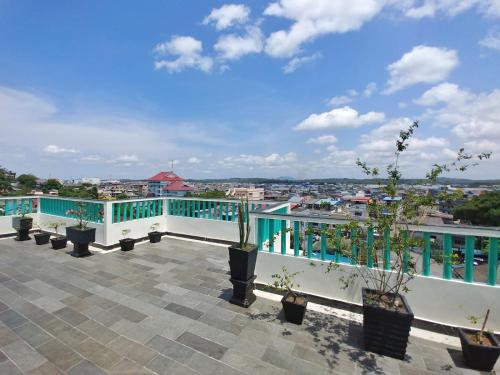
x: 243, y: 223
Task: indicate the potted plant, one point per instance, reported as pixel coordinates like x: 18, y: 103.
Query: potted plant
x: 22, y: 223
x: 126, y: 244
x: 58, y: 242
x: 294, y: 304
x: 154, y: 235
x: 386, y: 268
x: 480, y: 349
x: 42, y: 238
x: 81, y: 235
x: 242, y: 260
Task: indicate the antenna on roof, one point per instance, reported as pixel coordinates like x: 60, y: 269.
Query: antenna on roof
x: 172, y: 165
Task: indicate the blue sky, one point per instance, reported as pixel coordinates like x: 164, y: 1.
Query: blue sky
x: 258, y: 88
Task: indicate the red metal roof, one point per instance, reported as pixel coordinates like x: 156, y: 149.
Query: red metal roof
x: 165, y: 176
x: 178, y: 186
x: 361, y: 199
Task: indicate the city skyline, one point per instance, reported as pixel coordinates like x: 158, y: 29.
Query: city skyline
x: 246, y: 89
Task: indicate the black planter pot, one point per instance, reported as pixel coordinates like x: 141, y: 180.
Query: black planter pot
x: 242, y: 262
x: 479, y: 357
x: 81, y: 239
x: 22, y: 225
x: 154, y: 236
x: 42, y: 238
x: 59, y: 242
x: 386, y: 331
x: 127, y: 244
x: 294, y: 311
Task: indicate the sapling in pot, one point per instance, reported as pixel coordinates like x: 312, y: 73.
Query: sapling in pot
x: 41, y: 238
x: 386, y: 239
x: 126, y: 243
x: 59, y: 241
x: 154, y: 235
x: 294, y: 303
x: 80, y: 234
x: 242, y: 260
x: 22, y: 223
x: 480, y: 349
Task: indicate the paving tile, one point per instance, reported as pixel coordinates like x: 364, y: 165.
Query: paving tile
x: 205, y: 346
x: 290, y: 363
x: 12, y: 319
x: 8, y: 368
x: 132, y: 350
x: 183, y: 310
x: 97, y: 331
x: 171, y: 349
x: 250, y: 364
x: 128, y: 313
x: 161, y: 364
x: 70, y: 316
x: 64, y: 332
x: 98, y: 354
x: 6, y: 336
x: 59, y: 354
x: 32, y: 334
x: 126, y: 367
x: 86, y: 368
x: 47, y: 368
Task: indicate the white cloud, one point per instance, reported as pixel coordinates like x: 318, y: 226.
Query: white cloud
x: 188, y: 51
x: 227, y: 16
x: 345, y: 117
x: 323, y: 139
x: 312, y: 18
x: 370, y: 89
x: 194, y: 160
x: 492, y: 40
x: 423, y: 64
x: 430, y: 8
x: 270, y: 161
x: 443, y: 93
x: 53, y: 149
x: 91, y: 158
x: 297, y: 62
x: 232, y: 46
x: 339, y: 100
x: 127, y: 158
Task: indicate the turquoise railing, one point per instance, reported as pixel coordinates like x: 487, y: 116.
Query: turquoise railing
x: 61, y: 206
x: 209, y: 209
x: 136, y: 210
x: 322, y: 239
x: 15, y: 206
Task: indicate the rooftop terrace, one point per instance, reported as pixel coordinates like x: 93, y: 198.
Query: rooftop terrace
x: 163, y: 309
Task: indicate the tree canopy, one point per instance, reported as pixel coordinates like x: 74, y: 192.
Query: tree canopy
x: 27, y: 181
x: 481, y: 210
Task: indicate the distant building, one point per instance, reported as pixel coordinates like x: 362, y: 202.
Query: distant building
x: 167, y: 184
x: 250, y: 193
x: 91, y: 180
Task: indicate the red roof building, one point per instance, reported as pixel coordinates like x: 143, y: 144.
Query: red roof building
x: 167, y: 183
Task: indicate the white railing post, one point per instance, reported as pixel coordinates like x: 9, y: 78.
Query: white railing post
x: 107, y: 222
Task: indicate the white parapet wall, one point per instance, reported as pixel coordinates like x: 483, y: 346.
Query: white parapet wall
x: 6, y: 225
x: 43, y: 222
x: 432, y: 299
x: 204, y: 228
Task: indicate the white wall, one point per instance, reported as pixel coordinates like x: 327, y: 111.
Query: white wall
x: 206, y: 228
x: 138, y: 228
x: 6, y: 225
x: 432, y: 299
x: 43, y: 221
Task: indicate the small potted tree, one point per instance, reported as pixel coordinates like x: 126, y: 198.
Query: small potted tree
x: 242, y: 260
x: 154, y: 235
x: 80, y: 234
x: 294, y: 304
x: 480, y: 349
x: 126, y: 243
x: 42, y: 238
x: 59, y: 241
x: 22, y: 223
x: 390, y: 267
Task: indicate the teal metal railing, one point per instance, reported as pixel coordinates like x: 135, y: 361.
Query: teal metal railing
x: 14, y: 206
x: 136, y: 210
x: 62, y: 206
x: 330, y: 240
x: 224, y: 210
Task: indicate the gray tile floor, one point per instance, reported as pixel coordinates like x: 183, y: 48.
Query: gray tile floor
x: 162, y: 308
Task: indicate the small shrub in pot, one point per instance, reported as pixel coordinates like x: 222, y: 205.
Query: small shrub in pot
x: 42, y: 238
x: 59, y: 241
x: 126, y: 244
x: 154, y: 235
x: 81, y: 235
x: 22, y: 223
x: 294, y: 303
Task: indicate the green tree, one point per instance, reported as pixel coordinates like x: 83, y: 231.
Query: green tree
x: 27, y: 181
x: 481, y: 210
x: 52, y: 184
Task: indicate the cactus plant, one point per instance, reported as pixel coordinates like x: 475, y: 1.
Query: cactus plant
x: 243, y: 223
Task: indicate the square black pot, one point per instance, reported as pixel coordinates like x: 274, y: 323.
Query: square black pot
x: 294, y: 311
x: 80, y: 236
x: 59, y: 242
x: 479, y: 357
x: 42, y: 238
x: 22, y: 223
x: 127, y: 244
x: 386, y: 331
x: 242, y: 262
x: 154, y: 237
